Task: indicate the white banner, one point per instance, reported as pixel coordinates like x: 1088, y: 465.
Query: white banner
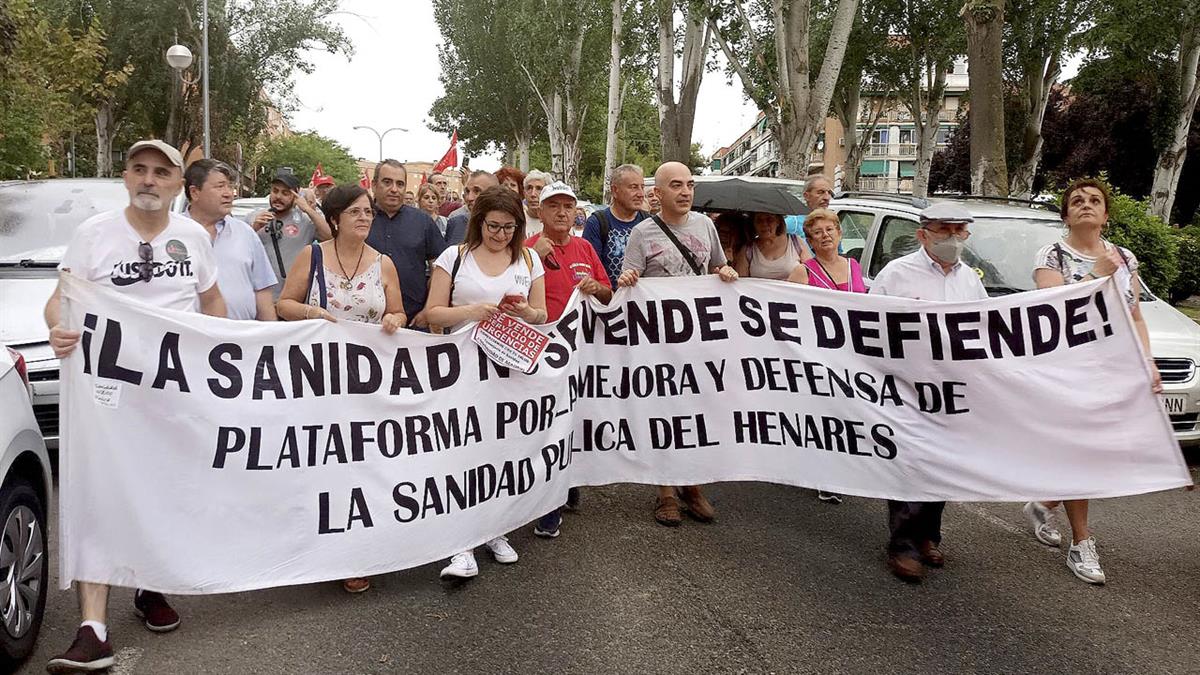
x: 202, y: 455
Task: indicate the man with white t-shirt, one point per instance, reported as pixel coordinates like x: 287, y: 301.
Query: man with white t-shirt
x: 163, y: 259
x: 676, y: 243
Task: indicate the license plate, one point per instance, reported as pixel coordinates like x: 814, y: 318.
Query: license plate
x: 1174, y: 404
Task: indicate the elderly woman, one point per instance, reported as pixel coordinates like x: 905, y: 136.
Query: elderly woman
x: 829, y: 270
x: 511, y: 178
x: 1083, y: 255
x: 490, y: 272
x: 773, y: 253
x: 344, y: 278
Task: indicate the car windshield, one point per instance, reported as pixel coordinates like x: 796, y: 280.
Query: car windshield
x: 38, y: 218
x: 1002, y: 251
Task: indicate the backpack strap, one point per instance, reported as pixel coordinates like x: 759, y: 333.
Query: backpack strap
x: 687, y: 255
x: 316, y: 273
x: 602, y: 218
x: 462, y: 249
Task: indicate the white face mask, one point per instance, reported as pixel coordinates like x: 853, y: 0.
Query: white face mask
x: 948, y: 250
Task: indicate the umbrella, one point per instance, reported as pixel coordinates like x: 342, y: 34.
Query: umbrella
x: 736, y: 194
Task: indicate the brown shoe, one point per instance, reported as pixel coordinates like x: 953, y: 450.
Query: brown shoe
x: 931, y: 555
x: 698, y: 507
x: 356, y: 585
x: 906, y: 567
x: 666, y: 511
x: 87, y: 654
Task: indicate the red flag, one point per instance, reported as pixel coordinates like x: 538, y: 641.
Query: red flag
x: 451, y: 157
x: 318, y: 174
x: 365, y: 181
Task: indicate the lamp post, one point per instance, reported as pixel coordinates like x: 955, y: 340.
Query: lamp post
x: 179, y: 57
x: 380, y: 136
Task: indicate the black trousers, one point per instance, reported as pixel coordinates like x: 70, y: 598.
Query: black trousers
x: 913, y: 523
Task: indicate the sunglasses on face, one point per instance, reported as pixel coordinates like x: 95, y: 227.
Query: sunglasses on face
x: 146, y: 266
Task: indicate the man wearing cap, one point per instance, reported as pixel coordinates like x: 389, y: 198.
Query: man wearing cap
x: 570, y: 262
x: 936, y: 272
x: 321, y: 187
x: 245, y: 276
x: 289, y: 225
x: 158, y: 257
x: 679, y: 242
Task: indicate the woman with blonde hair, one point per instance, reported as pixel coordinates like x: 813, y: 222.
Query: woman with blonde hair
x: 429, y: 200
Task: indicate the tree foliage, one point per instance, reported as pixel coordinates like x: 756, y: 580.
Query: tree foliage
x: 302, y: 153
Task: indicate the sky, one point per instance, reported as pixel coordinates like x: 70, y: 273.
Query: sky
x: 392, y: 81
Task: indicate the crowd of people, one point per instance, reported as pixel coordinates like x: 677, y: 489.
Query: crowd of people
x: 416, y: 259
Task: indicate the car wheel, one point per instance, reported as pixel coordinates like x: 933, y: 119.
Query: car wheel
x: 24, y: 570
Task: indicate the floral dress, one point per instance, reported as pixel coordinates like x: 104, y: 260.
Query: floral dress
x: 358, y: 299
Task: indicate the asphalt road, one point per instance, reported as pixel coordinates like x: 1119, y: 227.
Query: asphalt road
x: 781, y: 583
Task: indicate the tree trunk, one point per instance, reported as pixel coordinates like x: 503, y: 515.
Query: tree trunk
x: 795, y: 139
x: 523, y: 142
x: 926, y: 121
x: 555, y: 133
x: 614, y: 100
x: 1170, y: 160
x: 1037, y: 96
x: 104, y: 139
x: 677, y: 117
x: 985, y: 51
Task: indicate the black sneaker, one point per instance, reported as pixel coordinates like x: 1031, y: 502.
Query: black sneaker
x: 572, y: 500
x: 87, y: 654
x: 153, y: 607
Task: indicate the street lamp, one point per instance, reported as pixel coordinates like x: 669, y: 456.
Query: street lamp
x: 179, y: 57
x: 380, y: 136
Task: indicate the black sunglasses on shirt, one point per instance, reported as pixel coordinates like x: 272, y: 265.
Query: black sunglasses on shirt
x: 146, y: 267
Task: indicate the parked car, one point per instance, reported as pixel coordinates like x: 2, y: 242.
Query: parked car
x: 243, y: 207
x: 25, y: 492
x: 1004, y: 239
x: 38, y: 219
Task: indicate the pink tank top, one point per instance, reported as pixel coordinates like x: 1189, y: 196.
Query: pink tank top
x: 818, y: 277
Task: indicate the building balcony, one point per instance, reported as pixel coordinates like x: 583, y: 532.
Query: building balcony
x: 906, y: 150
x: 877, y: 150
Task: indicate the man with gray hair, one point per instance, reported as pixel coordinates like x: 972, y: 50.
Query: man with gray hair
x: 534, y: 182
x: 607, y: 230
x: 456, y: 224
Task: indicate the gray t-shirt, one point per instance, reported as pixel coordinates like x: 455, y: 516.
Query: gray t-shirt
x: 652, y: 254
x: 297, y: 232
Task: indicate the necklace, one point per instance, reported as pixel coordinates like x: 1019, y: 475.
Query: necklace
x: 345, y: 283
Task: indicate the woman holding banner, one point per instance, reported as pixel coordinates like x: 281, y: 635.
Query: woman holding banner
x: 489, y: 273
x: 773, y: 253
x: 1084, y: 255
x: 343, y: 278
x: 830, y: 270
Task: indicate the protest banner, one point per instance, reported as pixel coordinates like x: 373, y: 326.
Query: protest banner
x: 202, y: 455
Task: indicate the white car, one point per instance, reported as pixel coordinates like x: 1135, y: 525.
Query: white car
x: 1004, y: 240
x: 25, y: 493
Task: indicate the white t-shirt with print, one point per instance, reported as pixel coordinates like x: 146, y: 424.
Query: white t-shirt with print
x: 104, y: 249
x: 472, y: 285
x: 1075, y: 265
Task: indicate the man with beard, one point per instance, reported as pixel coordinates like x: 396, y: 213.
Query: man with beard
x: 163, y: 259
x: 456, y: 226
x: 289, y: 226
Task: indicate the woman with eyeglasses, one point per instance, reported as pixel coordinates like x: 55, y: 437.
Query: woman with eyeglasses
x: 1084, y: 255
x: 490, y: 272
x: 772, y: 253
x: 344, y: 279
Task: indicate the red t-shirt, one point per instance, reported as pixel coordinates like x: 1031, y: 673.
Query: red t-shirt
x: 576, y: 260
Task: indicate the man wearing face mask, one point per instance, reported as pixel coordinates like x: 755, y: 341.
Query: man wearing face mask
x: 936, y: 272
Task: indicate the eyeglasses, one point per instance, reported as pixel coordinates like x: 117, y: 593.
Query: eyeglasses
x: 498, y: 227
x: 962, y: 234
x: 146, y: 266
x: 355, y: 212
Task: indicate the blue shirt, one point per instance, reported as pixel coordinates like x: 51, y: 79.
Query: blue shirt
x: 410, y: 238
x: 242, y: 267
x: 612, y: 252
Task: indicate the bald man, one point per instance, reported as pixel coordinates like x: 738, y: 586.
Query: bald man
x: 678, y: 242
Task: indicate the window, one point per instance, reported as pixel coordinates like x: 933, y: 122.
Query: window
x: 943, y: 134
x: 856, y: 225
x: 906, y: 136
x: 879, y: 136
x: 897, y: 238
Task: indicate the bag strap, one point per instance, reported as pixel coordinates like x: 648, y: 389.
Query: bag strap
x: 275, y: 244
x: 602, y: 218
x: 316, y: 272
x: 687, y: 255
x: 454, y: 271
x: 1062, y: 269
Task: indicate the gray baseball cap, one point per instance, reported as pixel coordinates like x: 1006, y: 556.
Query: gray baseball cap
x: 947, y: 212
x: 171, y: 153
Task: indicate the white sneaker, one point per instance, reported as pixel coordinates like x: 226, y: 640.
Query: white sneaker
x: 462, y: 566
x: 1042, y: 520
x: 1084, y: 562
x: 502, y: 550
